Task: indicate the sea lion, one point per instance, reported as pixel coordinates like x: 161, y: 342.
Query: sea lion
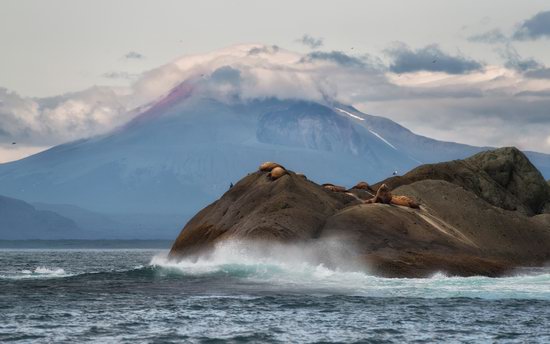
x: 277, y: 172
x: 362, y: 186
x: 405, y: 201
x: 383, y: 195
x: 334, y: 188
x: 268, y: 166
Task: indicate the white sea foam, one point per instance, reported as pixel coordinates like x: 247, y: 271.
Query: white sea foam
x: 298, y: 268
x: 47, y: 271
x: 38, y: 272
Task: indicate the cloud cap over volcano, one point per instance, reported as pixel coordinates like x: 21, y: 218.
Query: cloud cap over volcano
x: 454, y: 98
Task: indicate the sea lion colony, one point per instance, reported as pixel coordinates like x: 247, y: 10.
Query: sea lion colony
x: 474, y: 219
x: 383, y: 194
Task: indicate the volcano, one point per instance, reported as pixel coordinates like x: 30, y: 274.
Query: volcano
x: 152, y: 174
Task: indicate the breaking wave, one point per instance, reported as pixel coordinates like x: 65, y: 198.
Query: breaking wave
x: 297, y: 269
x: 38, y: 272
x: 301, y: 269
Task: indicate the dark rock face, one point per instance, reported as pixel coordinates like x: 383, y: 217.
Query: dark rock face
x: 465, y: 225
x: 511, y: 169
x: 503, y: 177
x: 288, y: 209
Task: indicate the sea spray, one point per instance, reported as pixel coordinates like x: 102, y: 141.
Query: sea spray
x: 38, y: 272
x: 261, y: 258
x: 302, y: 268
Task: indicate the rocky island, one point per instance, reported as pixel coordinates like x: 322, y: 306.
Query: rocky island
x: 484, y: 215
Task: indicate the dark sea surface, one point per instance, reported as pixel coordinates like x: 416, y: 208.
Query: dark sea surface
x: 136, y: 295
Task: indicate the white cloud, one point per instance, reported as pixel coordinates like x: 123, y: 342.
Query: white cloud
x: 491, y: 106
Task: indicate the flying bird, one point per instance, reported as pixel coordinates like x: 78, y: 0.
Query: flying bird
x: 14, y: 143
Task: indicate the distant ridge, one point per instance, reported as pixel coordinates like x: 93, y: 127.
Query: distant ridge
x: 20, y: 220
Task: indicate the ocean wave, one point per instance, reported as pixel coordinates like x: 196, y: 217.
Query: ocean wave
x: 38, y: 272
x: 296, y: 268
x: 42, y: 272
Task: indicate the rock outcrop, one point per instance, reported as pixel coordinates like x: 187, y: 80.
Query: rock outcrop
x: 287, y: 209
x: 476, y: 217
x: 503, y: 177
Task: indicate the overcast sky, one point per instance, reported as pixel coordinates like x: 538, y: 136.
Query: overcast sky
x: 50, y: 48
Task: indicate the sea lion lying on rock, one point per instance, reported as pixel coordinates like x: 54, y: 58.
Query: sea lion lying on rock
x: 268, y: 166
x: 277, y: 172
x: 334, y: 188
x: 383, y: 195
x: 405, y: 201
x: 362, y: 186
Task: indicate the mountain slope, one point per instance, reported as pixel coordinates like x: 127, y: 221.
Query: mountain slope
x: 193, y: 151
x: 184, y: 151
x: 425, y: 149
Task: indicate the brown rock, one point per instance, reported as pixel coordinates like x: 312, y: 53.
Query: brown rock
x: 301, y: 175
x: 290, y: 210
x: 455, y: 231
x: 503, y: 177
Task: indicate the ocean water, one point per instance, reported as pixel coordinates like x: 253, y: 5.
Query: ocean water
x: 139, y: 296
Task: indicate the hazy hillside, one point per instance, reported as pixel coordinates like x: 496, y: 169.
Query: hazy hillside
x: 20, y: 220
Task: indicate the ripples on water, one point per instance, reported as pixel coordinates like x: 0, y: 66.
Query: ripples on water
x: 139, y: 296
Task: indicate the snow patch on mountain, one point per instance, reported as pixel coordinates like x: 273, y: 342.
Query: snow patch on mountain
x: 350, y: 114
x: 383, y: 139
x: 371, y: 131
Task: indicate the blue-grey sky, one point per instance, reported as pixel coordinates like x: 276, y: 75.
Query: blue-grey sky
x: 470, y: 71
